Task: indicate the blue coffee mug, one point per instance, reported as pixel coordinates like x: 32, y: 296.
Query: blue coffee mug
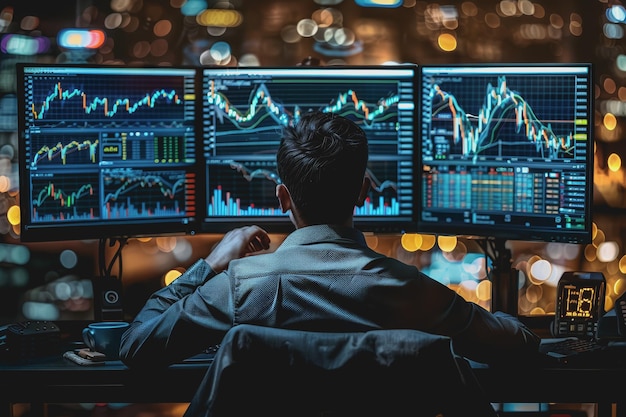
x: 104, y: 337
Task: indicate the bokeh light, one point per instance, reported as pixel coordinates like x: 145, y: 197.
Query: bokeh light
x: 230, y: 33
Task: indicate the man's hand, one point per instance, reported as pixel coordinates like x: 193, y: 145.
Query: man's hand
x: 236, y: 244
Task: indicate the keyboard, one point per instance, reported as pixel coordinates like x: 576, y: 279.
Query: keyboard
x: 573, y: 350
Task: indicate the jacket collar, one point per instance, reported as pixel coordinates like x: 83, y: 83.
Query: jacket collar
x: 324, y: 233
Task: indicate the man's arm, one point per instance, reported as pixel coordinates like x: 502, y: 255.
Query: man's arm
x: 177, y: 321
x: 236, y: 244
x: 476, y: 333
x: 496, y: 338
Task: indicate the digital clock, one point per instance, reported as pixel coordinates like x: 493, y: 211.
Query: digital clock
x: 580, y: 304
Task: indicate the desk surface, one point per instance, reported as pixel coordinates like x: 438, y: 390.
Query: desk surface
x: 59, y: 380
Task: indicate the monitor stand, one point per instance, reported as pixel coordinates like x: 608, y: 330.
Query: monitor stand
x: 107, y: 288
x: 504, y: 278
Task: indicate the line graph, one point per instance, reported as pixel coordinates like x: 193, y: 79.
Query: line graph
x: 55, y: 150
x: 241, y: 115
x: 129, y: 193
x: 110, y: 99
x: 108, y: 107
x: 65, y: 197
x: 249, y: 189
x: 108, y: 150
x: 506, y: 151
x: 261, y: 103
x: 244, y: 112
x: 483, y: 116
x: 239, y: 188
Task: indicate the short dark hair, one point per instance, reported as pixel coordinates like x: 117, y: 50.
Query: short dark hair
x: 322, y: 161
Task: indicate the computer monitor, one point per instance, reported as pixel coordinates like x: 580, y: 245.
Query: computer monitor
x: 244, y: 110
x: 506, y: 151
x: 106, y: 151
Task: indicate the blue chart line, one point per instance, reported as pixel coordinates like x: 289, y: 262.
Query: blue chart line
x: 257, y: 112
x: 261, y: 103
x: 249, y: 189
x: 58, y: 150
x: 382, y: 199
x: 133, y: 193
x: 243, y: 189
x: 107, y: 99
x: 65, y: 198
x: 253, y: 114
x: 505, y: 124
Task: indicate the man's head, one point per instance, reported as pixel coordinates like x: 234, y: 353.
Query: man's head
x: 321, y: 162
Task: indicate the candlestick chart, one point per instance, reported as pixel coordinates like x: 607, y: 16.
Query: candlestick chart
x: 62, y: 150
x: 107, y: 147
x: 506, y: 151
x: 502, y: 117
x: 244, y: 114
x: 119, y: 150
x: 146, y: 193
x: 67, y: 197
x: 106, y: 100
x: 254, y: 112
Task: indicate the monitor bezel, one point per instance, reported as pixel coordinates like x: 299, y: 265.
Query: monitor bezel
x: 500, y: 231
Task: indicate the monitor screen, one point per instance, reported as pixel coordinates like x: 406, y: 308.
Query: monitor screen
x: 106, y: 151
x: 244, y: 110
x: 506, y: 151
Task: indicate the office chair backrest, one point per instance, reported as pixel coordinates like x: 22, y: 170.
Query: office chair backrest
x: 278, y: 372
